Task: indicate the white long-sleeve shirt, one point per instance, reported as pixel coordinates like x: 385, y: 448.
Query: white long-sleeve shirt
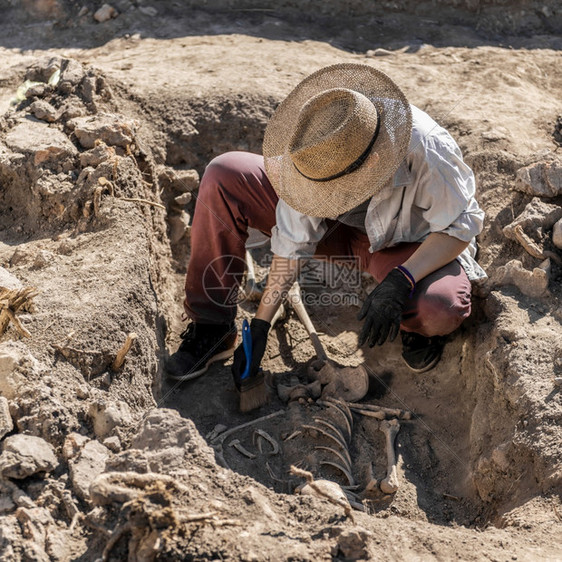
x: 432, y: 191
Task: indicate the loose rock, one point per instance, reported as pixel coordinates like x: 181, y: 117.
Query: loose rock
x: 557, y: 234
x: 6, y: 422
x: 44, y: 110
x: 113, y: 130
x: 42, y: 142
x: 105, y: 13
x: 543, y: 179
x: 25, y: 455
x: 89, y: 464
x: 106, y: 417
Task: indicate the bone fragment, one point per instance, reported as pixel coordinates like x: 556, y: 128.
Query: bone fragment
x: 241, y: 449
x: 326, y: 491
x: 370, y: 413
x: 279, y: 315
x: 293, y: 435
x: 395, y: 412
x: 336, y: 453
x: 215, y: 432
x: 390, y: 483
x: 220, y: 438
x: 260, y: 434
x: 372, y: 483
x: 120, y: 357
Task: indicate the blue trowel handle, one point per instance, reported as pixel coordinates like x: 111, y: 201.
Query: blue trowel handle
x: 247, y: 345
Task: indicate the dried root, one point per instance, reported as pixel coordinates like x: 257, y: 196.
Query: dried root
x: 120, y: 357
x: 12, y: 300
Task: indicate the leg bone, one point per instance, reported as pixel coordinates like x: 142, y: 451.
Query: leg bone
x: 390, y: 483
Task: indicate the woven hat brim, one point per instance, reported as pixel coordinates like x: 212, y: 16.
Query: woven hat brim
x: 329, y: 199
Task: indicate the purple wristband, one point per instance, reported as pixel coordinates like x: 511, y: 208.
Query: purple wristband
x: 408, y: 276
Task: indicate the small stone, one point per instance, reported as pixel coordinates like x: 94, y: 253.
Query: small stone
x: 494, y: 135
x: 97, y: 155
x: 73, y: 444
x: 113, y: 443
x: 9, y: 281
x: 179, y: 226
x: 7, y: 504
x: 106, y: 417
x: 352, y: 545
x: 89, y: 464
x: 82, y: 392
x: 105, y: 380
x: 180, y: 181
x: 183, y: 199
x: 11, y: 356
x: 557, y: 234
x: 105, y: 13
x: 558, y: 382
x: 25, y: 455
x: 44, y: 110
x: 72, y: 73
x: 43, y: 258
x: 6, y: 422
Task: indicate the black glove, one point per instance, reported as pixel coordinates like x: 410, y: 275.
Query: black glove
x: 383, y: 308
x: 258, y: 331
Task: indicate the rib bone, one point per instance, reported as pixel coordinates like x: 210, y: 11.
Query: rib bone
x: 241, y: 449
x: 342, y: 469
x: 335, y: 452
x: 390, y: 484
x: 264, y: 435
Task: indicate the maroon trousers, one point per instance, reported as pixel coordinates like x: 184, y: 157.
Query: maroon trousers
x: 235, y: 194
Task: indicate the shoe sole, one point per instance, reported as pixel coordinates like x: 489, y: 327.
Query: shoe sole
x: 428, y: 367
x: 195, y: 374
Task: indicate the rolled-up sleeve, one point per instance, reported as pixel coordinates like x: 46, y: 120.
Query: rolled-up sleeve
x: 447, y: 191
x: 295, y: 235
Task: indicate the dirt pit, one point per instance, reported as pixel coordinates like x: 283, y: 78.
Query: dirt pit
x: 100, y: 159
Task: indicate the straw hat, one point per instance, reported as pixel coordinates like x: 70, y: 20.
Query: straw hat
x: 336, y: 139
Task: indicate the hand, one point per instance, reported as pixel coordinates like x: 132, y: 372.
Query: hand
x: 258, y: 330
x: 383, y: 308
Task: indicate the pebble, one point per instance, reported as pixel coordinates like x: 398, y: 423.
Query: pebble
x: 105, y: 13
x: 557, y: 234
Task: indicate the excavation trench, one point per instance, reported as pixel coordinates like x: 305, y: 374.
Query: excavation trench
x: 94, y: 217
x: 438, y: 449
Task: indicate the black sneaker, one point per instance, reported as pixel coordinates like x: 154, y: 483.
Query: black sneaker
x: 202, y: 345
x: 420, y: 353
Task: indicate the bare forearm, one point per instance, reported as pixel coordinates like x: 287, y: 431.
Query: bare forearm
x: 436, y: 250
x: 282, y: 274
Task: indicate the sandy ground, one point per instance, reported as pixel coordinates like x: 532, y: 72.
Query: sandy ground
x: 479, y: 464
